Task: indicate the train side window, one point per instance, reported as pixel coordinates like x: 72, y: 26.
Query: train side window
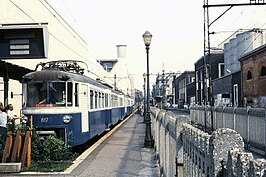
x: 96, y: 99
x: 102, y: 100
x: 115, y: 101
x: 120, y: 102
x: 76, y: 95
x: 69, y: 94
x: 91, y: 99
x: 111, y: 101
x: 99, y: 99
x: 106, y: 100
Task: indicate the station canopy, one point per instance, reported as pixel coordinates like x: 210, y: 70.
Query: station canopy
x: 13, y: 71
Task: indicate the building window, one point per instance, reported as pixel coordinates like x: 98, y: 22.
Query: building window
x: 221, y: 69
x: 249, y: 75
x: 235, y: 94
x: 263, y: 71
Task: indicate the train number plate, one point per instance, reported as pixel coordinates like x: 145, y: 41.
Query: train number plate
x: 44, y: 119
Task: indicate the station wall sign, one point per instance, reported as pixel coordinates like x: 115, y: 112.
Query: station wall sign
x: 23, y: 42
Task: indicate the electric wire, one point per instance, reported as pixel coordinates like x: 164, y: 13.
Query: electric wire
x: 67, y: 28
x: 75, y: 21
x: 241, y: 30
x: 21, y: 10
x: 231, y: 24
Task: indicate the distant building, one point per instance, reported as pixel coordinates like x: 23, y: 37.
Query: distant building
x: 163, y: 88
x: 184, y: 89
x: 117, y: 72
x: 227, y: 88
x: 253, y: 68
x: 215, y: 63
x: 108, y: 64
x: 46, y: 37
x: 138, y: 97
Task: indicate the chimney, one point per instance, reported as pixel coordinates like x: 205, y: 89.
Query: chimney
x: 121, y: 51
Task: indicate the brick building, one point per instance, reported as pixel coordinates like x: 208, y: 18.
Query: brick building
x: 253, y: 67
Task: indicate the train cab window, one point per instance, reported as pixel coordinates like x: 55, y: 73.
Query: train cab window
x: 45, y: 94
x: 91, y: 99
x: 76, y: 95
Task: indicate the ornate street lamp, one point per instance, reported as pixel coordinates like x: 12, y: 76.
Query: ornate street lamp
x: 148, y: 137
x: 144, y: 100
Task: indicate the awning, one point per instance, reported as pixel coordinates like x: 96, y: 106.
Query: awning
x: 14, y: 72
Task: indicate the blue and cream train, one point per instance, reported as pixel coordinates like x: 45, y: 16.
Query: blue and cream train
x: 61, y: 100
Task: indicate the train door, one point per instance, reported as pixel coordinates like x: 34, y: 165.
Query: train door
x: 125, y: 105
x: 84, y: 106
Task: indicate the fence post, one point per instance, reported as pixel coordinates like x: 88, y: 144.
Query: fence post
x: 247, y: 127
x: 8, y: 146
x: 15, y: 147
x: 223, y: 117
x: 25, y: 149
x: 221, y: 141
x: 234, y: 117
x: 180, y: 144
x: 265, y: 133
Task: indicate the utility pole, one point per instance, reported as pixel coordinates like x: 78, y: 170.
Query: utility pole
x: 116, y: 81
x: 164, y: 79
x: 207, y: 82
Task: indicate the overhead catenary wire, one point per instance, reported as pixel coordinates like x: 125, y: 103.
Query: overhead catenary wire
x: 87, y: 48
x: 57, y: 14
x: 77, y: 24
x: 254, y: 11
x: 244, y: 12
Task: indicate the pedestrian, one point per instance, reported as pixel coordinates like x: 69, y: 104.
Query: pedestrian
x: 3, y: 116
x: 12, y: 119
x: 3, y: 123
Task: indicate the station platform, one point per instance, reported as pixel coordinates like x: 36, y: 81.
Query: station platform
x: 120, y: 153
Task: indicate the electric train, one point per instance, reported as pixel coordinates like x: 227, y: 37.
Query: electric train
x: 64, y: 102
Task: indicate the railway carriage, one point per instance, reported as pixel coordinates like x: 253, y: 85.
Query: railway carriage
x: 64, y: 102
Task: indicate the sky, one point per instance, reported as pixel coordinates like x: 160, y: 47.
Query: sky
x: 176, y: 26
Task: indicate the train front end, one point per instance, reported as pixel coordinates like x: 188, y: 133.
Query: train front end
x: 51, y: 99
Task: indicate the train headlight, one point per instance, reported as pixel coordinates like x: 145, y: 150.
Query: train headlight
x: 24, y: 119
x: 67, y: 119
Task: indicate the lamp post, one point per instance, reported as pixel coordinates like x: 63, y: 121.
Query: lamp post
x: 148, y: 138
x: 144, y: 100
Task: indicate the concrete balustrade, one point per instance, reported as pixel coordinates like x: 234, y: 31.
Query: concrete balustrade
x: 250, y: 123
x: 166, y: 130
x: 185, y: 150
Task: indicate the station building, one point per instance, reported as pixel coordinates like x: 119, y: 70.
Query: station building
x: 32, y: 32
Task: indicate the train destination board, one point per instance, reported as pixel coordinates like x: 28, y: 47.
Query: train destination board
x: 23, y: 42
